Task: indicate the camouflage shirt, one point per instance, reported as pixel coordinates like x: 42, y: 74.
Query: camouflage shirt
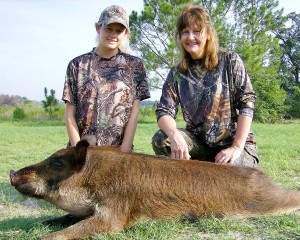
x: 211, y: 100
x: 103, y: 91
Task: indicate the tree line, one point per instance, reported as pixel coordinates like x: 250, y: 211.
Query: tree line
x: 24, y: 108
x: 12, y: 100
x: 265, y: 38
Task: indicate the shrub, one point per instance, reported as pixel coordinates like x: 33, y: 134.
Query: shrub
x: 19, y: 113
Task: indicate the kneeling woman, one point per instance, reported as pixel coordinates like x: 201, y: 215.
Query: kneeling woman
x: 216, y: 96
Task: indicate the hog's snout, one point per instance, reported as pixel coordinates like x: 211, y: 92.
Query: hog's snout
x: 18, y: 177
x: 26, y: 182
x: 12, y: 177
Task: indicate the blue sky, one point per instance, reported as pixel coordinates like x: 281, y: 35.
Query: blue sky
x: 39, y: 38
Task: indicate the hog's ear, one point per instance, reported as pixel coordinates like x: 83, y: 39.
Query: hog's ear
x: 81, y: 149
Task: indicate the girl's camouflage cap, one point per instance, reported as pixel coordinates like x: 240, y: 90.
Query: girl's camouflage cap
x: 114, y: 14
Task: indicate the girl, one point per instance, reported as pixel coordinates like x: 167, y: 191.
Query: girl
x: 103, y: 88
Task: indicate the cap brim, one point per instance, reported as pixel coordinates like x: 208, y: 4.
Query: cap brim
x: 116, y: 21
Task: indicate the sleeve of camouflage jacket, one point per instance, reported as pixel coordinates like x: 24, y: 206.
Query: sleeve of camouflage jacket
x: 168, y: 104
x: 69, y: 91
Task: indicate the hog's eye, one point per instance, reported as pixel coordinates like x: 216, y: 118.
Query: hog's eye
x: 57, y: 164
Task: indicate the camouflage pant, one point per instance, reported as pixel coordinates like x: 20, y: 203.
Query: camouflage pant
x: 201, y: 151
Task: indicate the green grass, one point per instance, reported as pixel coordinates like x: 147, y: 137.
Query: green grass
x: 24, y: 143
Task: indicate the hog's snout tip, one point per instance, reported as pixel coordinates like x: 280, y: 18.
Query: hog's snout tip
x: 11, y: 176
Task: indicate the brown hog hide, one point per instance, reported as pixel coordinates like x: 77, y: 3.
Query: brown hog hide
x: 107, y: 191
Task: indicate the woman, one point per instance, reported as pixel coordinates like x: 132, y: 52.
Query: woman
x: 216, y: 96
x: 103, y: 88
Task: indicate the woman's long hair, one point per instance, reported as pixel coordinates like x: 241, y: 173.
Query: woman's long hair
x: 197, y: 15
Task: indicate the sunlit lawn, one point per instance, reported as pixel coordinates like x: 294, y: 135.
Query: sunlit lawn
x: 20, y: 217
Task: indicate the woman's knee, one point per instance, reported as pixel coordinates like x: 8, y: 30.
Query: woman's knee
x: 161, y: 144
x: 249, y: 156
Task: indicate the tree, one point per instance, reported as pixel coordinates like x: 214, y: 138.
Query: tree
x: 255, y: 42
x: 12, y: 100
x: 152, y: 33
x: 289, y: 37
x: 50, y: 104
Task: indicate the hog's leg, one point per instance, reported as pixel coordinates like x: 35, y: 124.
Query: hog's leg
x: 64, y: 221
x: 87, y: 228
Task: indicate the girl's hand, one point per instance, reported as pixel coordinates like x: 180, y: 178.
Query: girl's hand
x: 125, y: 149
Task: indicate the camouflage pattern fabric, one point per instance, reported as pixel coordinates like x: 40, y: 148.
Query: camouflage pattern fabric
x: 211, y: 100
x: 114, y: 14
x: 103, y: 91
x: 161, y: 145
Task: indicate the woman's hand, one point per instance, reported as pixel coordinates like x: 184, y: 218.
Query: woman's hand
x: 228, y: 155
x: 179, y: 147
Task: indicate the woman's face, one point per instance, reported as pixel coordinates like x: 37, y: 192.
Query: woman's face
x: 193, y: 40
x: 111, y: 36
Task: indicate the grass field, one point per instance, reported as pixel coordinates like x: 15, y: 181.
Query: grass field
x: 21, y: 217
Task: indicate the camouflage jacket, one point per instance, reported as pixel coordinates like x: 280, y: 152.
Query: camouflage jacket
x: 211, y: 100
x: 103, y: 91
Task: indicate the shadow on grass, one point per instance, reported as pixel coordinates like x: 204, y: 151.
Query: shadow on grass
x: 25, y: 228
x: 21, y: 223
x: 29, y: 226
x: 9, y: 195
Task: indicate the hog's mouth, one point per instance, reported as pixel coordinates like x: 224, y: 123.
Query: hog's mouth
x: 27, y: 184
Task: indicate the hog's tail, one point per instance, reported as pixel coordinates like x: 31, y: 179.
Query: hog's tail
x: 277, y: 201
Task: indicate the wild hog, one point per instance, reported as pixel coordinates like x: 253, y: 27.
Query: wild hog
x: 109, y: 191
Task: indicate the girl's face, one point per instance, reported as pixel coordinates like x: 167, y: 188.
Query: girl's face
x: 193, y: 40
x: 111, y: 36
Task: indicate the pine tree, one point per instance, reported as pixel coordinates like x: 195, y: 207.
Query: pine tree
x: 255, y: 22
x: 50, y: 103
